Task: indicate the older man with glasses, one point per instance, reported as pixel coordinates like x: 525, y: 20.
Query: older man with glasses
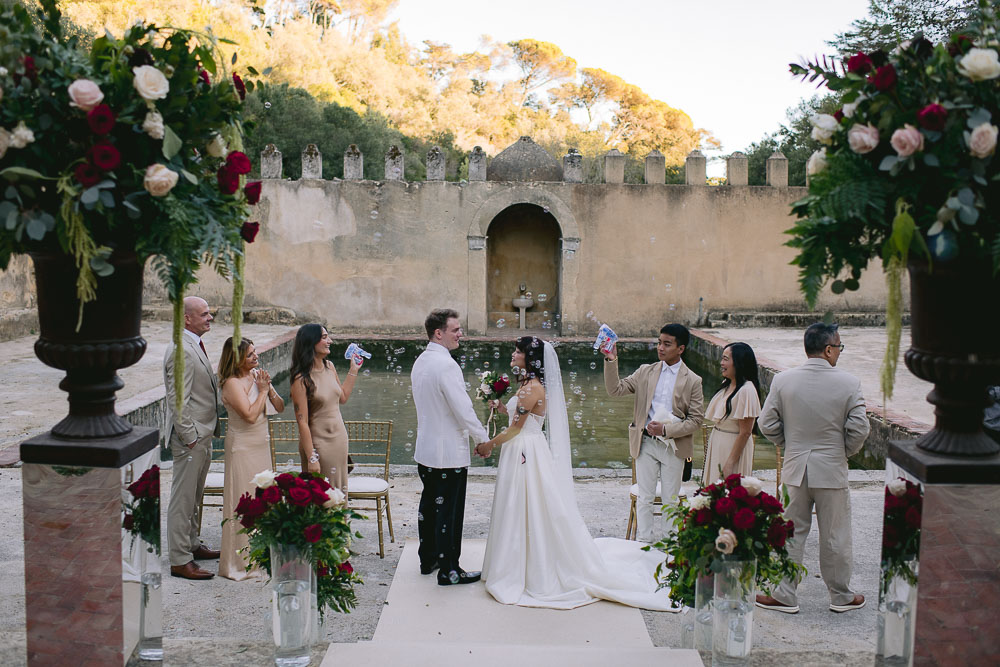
x: 816, y: 413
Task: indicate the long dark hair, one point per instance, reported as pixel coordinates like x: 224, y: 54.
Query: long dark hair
x: 534, y: 358
x: 303, y: 356
x: 745, y: 369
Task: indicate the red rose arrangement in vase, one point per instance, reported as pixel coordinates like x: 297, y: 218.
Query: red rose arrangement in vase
x: 732, y: 518
x: 302, y: 509
x: 142, y: 513
x: 901, y: 530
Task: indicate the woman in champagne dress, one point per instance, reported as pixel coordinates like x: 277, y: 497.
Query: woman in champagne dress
x: 317, y: 395
x: 246, y: 391
x: 733, y: 409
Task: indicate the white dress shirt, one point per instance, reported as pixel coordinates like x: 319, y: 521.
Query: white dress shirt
x: 663, y: 395
x: 195, y: 337
x: 445, y: 416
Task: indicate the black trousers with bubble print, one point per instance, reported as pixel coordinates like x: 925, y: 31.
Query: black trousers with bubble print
x: 441, y: 515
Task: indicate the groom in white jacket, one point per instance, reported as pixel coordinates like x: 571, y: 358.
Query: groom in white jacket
x: 445, y: 420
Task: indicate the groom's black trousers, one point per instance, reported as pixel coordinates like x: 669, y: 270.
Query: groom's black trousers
x: 441, y: 515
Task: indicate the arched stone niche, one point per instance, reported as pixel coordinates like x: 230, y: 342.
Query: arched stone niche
x: 565, y: 296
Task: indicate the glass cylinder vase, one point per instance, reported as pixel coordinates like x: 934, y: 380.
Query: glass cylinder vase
x: 732, y: 612
x: 897, y: 611
x: 697, y: 628
x: 293, y: 580
x: 151, y: 607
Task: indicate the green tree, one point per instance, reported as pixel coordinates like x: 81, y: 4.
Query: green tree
x: 541, y: 63
x: 792, y: 139
x: 890, y: 22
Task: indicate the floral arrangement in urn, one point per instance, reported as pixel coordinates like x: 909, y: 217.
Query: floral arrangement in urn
x: 909, y: 165
x: 142, y: 513
x: 305, y: 511
x: 901, y: 530
x: 131, y: 146
x: 732, y: 518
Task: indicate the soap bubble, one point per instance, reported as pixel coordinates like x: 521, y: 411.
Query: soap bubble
x: 592, y: 365
x: 542, y: 297
x: 501, y: 323
x: 409, y: 434
x: 496, y: 355
x: 652, y: 239
x: 267, y: 105
x: 408, y: 446
x: 368, y: 415
x: 366, y: 372
x: 378, y: 236
x: 545, y: 313
x: 395, y: 402
x: 673, y: 306
x: 374, y: 214
x: 590, y: 314
x: 545, y: 209
x: 669, y: 287
x: 486, y: 364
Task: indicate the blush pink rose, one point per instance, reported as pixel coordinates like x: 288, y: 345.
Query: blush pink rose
x: 85, y: 94
x: 983, y: 140
x: 907, y: 140
x: 862, y: 138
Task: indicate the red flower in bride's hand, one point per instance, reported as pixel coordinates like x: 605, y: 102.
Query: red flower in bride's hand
x: 500, y: 386
x: 313, y: 533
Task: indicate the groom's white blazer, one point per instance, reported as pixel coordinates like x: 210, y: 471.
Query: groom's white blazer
x: 445, y: 416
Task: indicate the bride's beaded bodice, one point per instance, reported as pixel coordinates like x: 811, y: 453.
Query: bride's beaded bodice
x: 534, y: 422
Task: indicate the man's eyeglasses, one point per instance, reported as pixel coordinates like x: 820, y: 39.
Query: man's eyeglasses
x: 839, y: 347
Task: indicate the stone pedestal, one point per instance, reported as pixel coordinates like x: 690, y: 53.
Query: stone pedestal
x: 312, y: 162
x: 737, y: 169
x: 656, y: 168
x: 477, y: 165
x: 958, y: 597
x: 394, y: 164
x: 83, y: 595
x: 777, y: 170
x: 435, y: 164
x: 573, y: 166
x: 695, y: 168
x: 354, y: 164
x: 614, y: 166
x: 270, y: 162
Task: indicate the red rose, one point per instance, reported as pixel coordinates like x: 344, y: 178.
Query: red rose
x: 725, y: 506
x: 299, y: 496
x: 30, y: 70
x: 104, y: 156
x: 140, y: 57
x: 312, y: 533
x: 285, y: 480
x: 912, y: 490
x: 321, y: 482
x: 884, y: 78
x: 913, y: 517
x: 128, y: 522
x: 838, y: 115
x: 203, y: 75
x: 322, y: 570
x: 138, y: 488
x: 252, y: 192
x: 238, y: 162
x: 301, y: 482
x: 932, y: 117
x: 243, y: 503
x: 153, y: 490
x: 790, y: 529
x: 959, y: 44
x: 739, y: 493
x: 890, y: 536
x: 101, y: 119
x: 753, y: 502
x: 859, y: 64
x: 500, y: 386
x: 709, y: 490
x: 346, y: 567
x: 229, y: 180
x: 776, y: 534
x: 769, y: 503
x: 257, y: 508
x: 241, y: 89
x: 271, y: 495
x: 248, y: 522
x: 249, y: 231
x: 744, y: 519
x: 733, y: 480
x: 702, y: 516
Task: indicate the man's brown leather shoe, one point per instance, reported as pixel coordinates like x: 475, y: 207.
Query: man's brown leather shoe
x: 189, y: 571
x: 204, y: 553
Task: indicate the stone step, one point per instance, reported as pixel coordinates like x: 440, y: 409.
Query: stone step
x: 792, y: 320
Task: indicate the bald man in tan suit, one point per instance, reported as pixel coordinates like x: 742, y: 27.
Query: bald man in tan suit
x: 816, y: 413
x: 190, y: 437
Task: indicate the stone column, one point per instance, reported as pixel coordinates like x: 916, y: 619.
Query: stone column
x: 737, y: 169
x: 656, y: 168
x: 354, y: 164
x: 477, y: 323
x: 614, y: 166
x: 312, y: 162
x: 477, y: 166
x: 777, y: 170
x: 394, y: 164
x: 573, y: 167
x: 270, y: 162
x: 435, y: 164
x: 694, y: 168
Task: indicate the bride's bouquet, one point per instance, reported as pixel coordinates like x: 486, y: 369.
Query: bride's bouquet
x: 493, y: 386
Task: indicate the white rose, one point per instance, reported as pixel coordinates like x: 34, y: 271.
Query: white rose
x: 751, y: 484
x: 824, y: 127
x: 335, y: 498
x: 983, y: 140
x: 980, y: 64
x: 22, y: 136
x: 150, y: 82
x: 897, y: 487
x: 700, y: 502
x: 217, y: 146
x: 85, y: 94
x: 485, y: 388
x: 862, y: 138
x: 159, y: 180
x: 817, y: 162
x: 849, y: 108
x: 5, y: 137
x: 3, y: 71
x: 264, y: 479
x: 153, y: 125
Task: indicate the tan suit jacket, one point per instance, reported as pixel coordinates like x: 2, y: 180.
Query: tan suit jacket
x: 688, y: 399
x: 200, y: 412
x: 816, y: 413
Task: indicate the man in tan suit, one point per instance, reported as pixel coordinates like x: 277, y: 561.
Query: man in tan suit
x: 190, y: 436
x: 816, y: 413
x: 669, y: 406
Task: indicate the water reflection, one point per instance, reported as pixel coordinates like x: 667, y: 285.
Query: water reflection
x: 598, y: 422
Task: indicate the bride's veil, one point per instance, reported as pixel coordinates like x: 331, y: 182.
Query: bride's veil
x: 557, y: 425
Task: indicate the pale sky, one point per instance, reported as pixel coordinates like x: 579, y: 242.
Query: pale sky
x: 724, y: 62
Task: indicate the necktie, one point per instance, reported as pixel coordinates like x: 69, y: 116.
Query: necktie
x: 202, y: 346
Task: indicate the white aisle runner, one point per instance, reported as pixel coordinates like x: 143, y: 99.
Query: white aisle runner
x: 426, y: 624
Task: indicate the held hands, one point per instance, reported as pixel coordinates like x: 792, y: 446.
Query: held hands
x: 484, y: 449
x: 356, y: 362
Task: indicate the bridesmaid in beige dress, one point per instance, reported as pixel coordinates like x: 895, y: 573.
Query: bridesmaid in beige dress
x: 317, y: 395
x: 246, y: 390
x: 733, y: 409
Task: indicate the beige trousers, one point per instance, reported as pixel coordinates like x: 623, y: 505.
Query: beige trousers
x: 836, y: 553
x: 655, y: 460
x: 186, y: 490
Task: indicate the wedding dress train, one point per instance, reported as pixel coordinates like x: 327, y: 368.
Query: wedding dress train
x: 539, y: 552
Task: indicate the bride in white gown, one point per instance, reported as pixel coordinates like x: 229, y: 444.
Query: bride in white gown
x: 539, y: 552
